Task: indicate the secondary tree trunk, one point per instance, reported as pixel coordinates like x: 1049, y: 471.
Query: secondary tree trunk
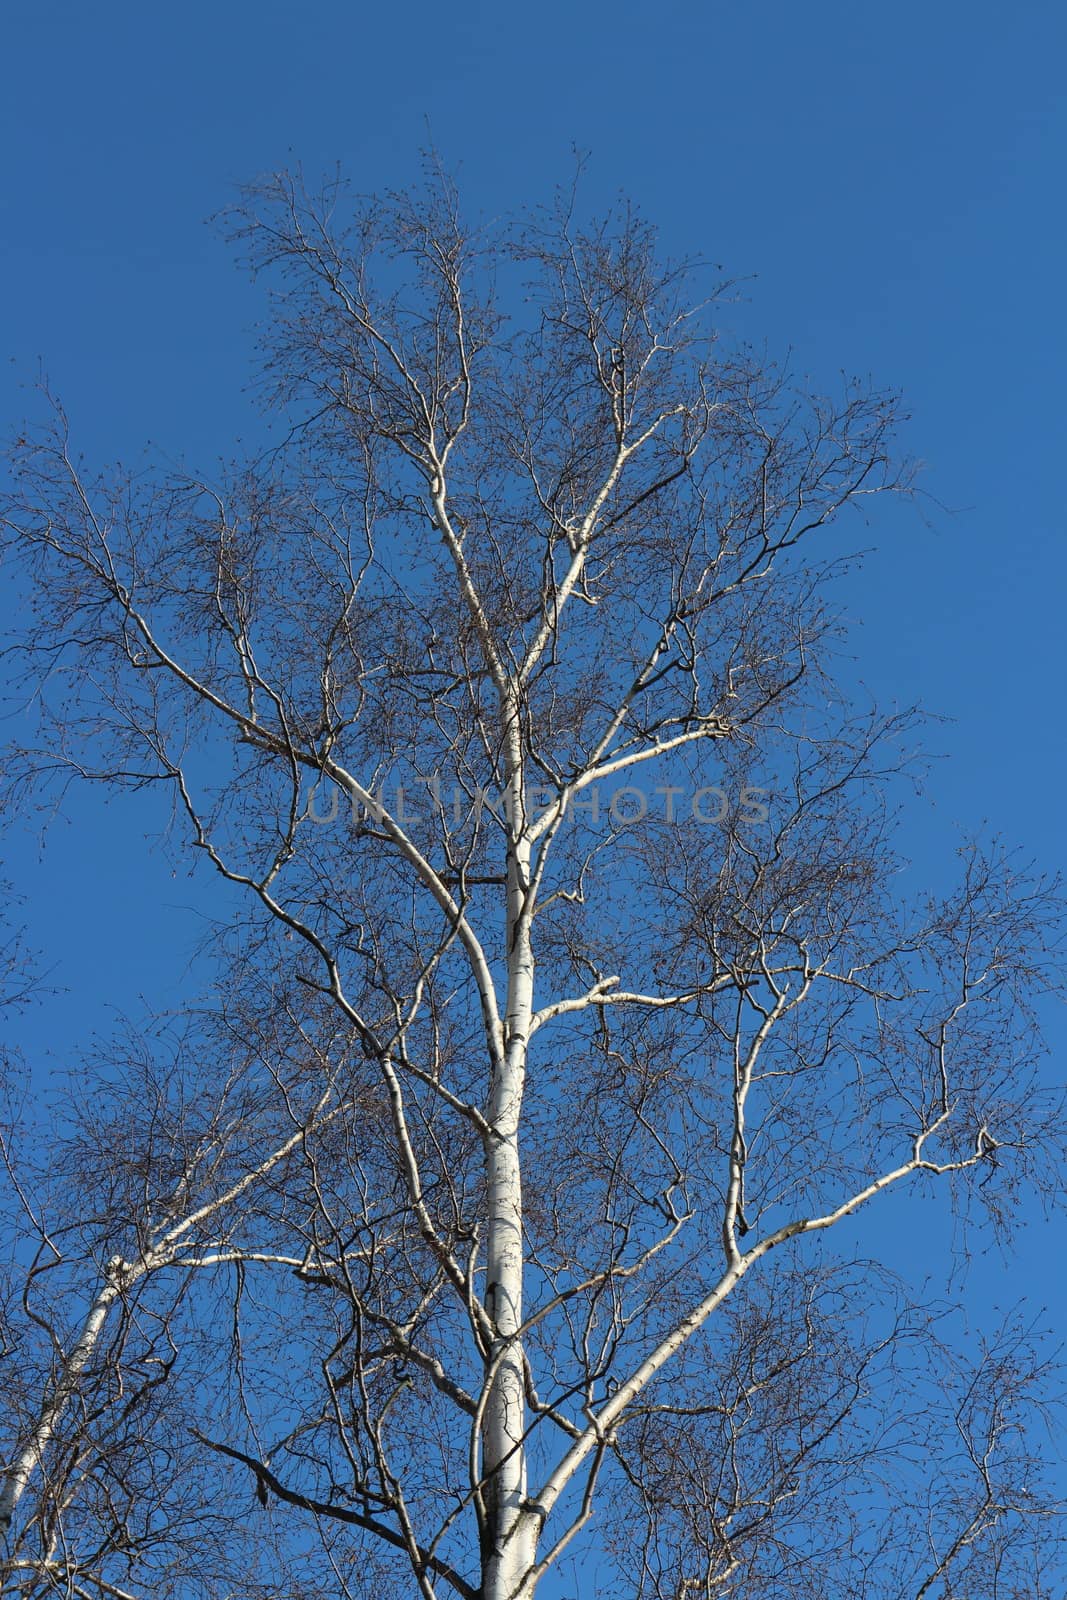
x: 72, y: 1366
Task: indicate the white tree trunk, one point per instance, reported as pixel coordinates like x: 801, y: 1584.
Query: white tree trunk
x: 119, y: 1276
x: 511, y: 1529
x: 72, y: 1366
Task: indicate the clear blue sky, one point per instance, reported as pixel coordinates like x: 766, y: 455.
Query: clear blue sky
x: 891, y: 176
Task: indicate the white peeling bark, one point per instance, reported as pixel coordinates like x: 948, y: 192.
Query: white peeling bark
x: 119, y: 1276
x: 511, y: 1529
x: 73, y: 1365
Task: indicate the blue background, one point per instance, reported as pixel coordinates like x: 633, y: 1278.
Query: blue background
x: 887, y: 180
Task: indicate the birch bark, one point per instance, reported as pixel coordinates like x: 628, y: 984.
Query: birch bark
x: 510, y: 1532
x: 72, y: 1367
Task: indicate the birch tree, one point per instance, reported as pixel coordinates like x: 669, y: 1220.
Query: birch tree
x: 572, y: 1004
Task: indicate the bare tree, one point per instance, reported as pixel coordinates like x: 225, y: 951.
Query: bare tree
x: 573, y: 1000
